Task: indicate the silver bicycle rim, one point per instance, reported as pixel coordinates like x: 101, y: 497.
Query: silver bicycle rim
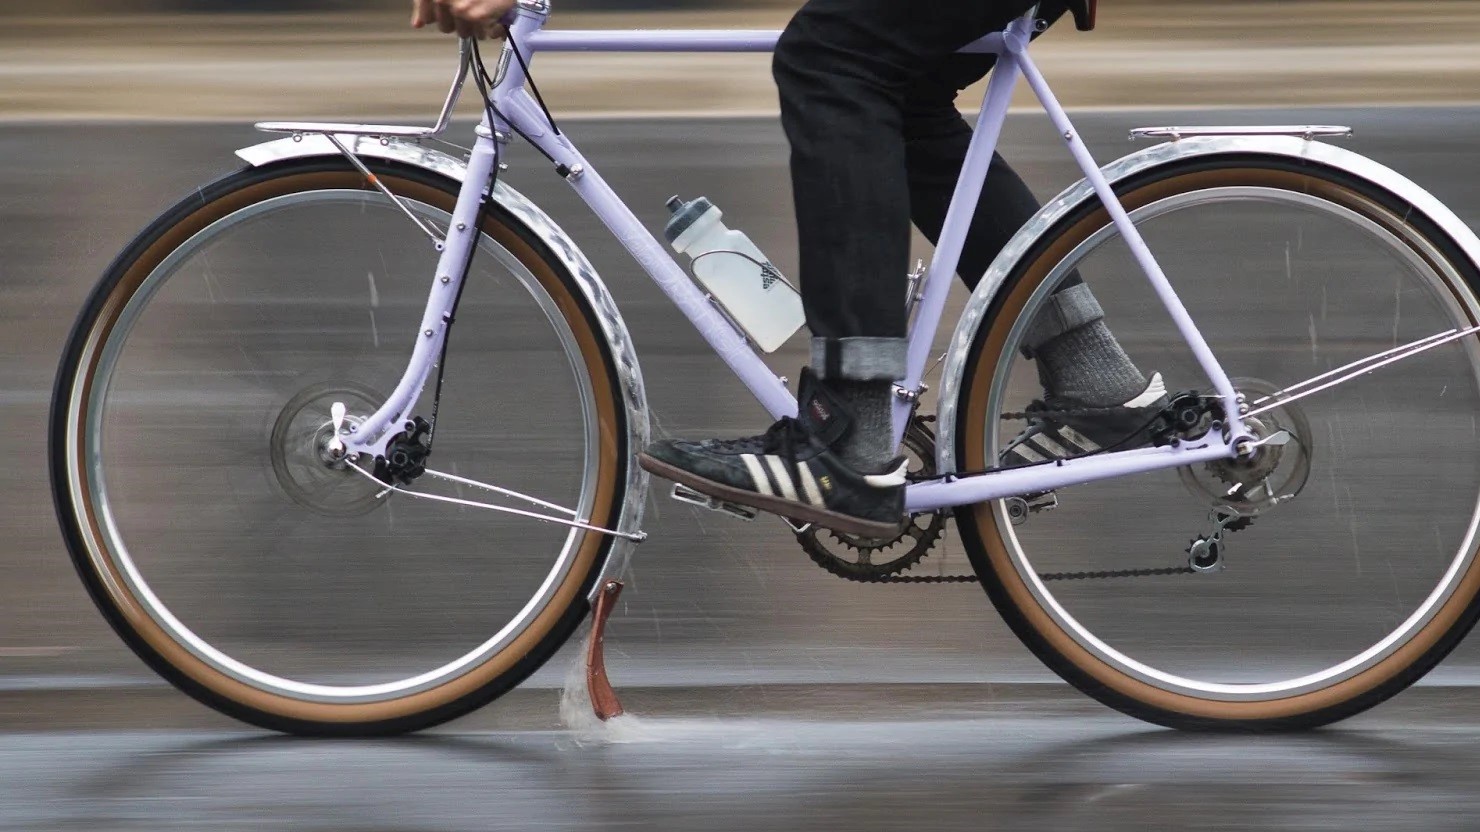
x: 113, y: 549
x: 1449, y: 288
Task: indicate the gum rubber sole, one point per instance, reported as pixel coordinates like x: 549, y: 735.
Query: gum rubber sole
x: 775, y: 505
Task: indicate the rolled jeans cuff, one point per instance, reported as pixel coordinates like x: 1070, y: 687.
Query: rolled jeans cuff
x: 1064, y: 311
x: 860, y: 359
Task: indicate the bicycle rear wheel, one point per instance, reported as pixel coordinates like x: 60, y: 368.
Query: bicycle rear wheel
x: 1332, y: 599
x: 190, y: 407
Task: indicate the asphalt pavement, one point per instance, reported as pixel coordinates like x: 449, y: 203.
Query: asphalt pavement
x: 768, y: 693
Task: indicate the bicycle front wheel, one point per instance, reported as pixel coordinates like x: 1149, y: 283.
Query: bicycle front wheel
x: 188, y: 422
x: 1355, y: 573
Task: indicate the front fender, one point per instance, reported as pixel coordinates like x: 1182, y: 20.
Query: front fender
x: 609, y: 318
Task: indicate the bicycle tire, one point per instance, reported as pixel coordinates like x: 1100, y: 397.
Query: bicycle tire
x: 567, y: 604
x: 982, y: 528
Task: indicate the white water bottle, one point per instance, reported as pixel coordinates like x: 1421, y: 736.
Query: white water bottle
x: 735, y: 273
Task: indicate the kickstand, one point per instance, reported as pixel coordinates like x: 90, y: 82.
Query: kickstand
x: 603, y: 699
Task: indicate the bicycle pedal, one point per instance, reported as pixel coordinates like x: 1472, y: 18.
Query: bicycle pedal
x: 1018, y: 508
x: 684, y: 494
x: 1043, y: 502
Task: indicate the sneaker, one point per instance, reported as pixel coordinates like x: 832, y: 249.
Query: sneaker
x: 1055, y: 431
x: 790, y: 470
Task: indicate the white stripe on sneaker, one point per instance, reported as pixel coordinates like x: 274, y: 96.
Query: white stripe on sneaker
x: 783, y: 479
x: 757, y: 473
x: 1154, y: 391
x: 1022, y: 450
x: 889, y: 479
x: 1084, y: 442
x: 809, y: 486
x: 1047, y: 444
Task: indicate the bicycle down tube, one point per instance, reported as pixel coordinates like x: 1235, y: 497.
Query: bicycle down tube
x: 516, y: 108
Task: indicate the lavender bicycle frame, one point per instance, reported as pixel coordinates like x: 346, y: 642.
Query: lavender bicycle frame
x: 521, y: 111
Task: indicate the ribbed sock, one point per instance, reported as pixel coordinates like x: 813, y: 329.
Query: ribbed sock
x: 869, y: 446
x: 1089, y: 365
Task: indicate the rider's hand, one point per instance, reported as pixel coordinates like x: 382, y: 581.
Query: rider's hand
x: 468, y: 18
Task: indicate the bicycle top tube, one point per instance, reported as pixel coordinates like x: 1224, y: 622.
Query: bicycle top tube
x: 689, y: 40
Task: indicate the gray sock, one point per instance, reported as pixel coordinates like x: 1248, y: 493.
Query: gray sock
x: 869, y: 446
x: 1088, y: 364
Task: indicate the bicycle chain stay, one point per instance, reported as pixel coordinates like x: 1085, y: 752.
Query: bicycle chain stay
x: 1178, y: 402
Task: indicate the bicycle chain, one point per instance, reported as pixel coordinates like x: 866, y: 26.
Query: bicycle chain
x: 1116, y: 573
x: 912, y: 579
x: 1046, y: 577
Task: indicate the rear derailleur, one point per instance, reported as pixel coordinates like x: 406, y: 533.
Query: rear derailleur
x: 1205, y: 552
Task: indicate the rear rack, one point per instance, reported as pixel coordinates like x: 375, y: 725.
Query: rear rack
x: 1309, y: 132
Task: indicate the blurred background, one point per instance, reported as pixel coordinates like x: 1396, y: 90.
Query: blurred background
x: 756, y: 673
x: 216, y: 59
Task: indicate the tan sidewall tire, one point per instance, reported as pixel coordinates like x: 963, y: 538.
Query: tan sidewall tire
x: 1010, y: 592
x: 551, y: 627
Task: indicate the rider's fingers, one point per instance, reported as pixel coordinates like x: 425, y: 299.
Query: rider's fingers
x: 446, y: 21
x: 473, y: 10
x: 421, y: 13
x: 492, y: 10
x: 497, y: 31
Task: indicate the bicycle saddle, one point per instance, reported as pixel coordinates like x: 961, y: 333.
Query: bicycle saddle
x: 1084, y: 12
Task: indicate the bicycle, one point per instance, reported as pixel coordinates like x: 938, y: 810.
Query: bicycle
x: 281, y: 451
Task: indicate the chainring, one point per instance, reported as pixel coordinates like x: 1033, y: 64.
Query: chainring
x: 871, y: 559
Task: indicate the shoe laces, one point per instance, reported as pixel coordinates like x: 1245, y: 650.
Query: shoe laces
x: 785, y: 436
x: 782, y: 439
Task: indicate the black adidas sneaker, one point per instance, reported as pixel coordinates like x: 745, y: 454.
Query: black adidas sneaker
x: 790, y: 470
x: 1060, y: 428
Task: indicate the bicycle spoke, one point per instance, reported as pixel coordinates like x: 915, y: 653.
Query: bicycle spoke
x: 1423, y: 345
x: 497, y: 490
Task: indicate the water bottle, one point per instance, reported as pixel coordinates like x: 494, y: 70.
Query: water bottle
x: 735, y: 273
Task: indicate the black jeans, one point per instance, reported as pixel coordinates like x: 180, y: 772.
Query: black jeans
x: 868, y: 90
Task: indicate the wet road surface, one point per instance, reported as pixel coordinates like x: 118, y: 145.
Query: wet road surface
x: 878, y: 757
